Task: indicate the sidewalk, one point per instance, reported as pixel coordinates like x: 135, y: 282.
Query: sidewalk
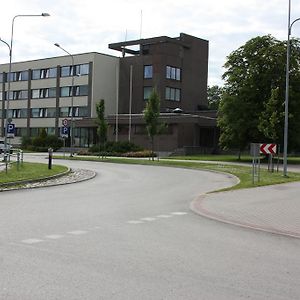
x: 274, y: 209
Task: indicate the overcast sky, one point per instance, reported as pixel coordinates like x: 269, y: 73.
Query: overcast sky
x: 90, y: 25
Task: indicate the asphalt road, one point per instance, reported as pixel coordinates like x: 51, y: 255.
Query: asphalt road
x: 129, y: 234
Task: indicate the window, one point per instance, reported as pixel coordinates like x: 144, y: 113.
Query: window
x: 173, y: 94
x: 148, y: 72
x: 65, y: 91
x: 1, y: 77
x: 35, y: 74
x: 147, y: 92
x: 64, y: 112
x: 44, y: 73
x: 52, y: 72
x: 66, y: 71
x: 81, y: 90
x: 23, y: 113
x: 82, y: 69
x: 35, y: 112
x: 35, y: 94
x: 173, y: 73
x: 52, y: 92
x: 51, y: 112
x: 23, y: 94
x: 24, y: 75
x: 1, y: 95
x: 83, y: 111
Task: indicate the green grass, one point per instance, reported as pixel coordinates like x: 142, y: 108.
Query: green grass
x: 30, y: 171
x: 244, y: 173
x: 232, y: 158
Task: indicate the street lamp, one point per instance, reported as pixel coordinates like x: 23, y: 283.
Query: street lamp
x: 9, y: 70
x: 286, y: 103
x: 72, y: 98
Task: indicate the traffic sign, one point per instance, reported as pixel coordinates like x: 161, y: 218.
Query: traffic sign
x: 64, y: 132
x: 10, y: 130
x: 268, y: 148
x: 65, y: 122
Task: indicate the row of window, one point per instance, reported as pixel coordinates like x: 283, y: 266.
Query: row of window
x: 65, y: 71
x: 171, y: 72
x: 47, y: 112
x: 66, y: 91
x: 171, y: 94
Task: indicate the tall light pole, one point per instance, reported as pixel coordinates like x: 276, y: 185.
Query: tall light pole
x: 9, y: 71
x: 72, y: 98
x: 286, y: 103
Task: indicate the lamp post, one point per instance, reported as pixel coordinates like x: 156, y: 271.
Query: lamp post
x: 286, y: 102
x: 9, y: 70
x: 72, y: 98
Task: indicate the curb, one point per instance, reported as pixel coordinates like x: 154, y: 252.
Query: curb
x: 197, y: 207
x: 20, y: 182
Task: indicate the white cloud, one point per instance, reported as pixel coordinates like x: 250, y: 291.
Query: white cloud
x: 90, y: 25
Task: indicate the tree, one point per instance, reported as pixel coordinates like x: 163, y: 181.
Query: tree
x: 214, y: 94
x: 254, y: 88
x: 151, y: 117
x: 102, y: 124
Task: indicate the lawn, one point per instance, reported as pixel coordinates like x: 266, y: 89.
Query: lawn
x: 30, y: 171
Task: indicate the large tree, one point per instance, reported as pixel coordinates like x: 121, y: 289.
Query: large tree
x: 252, y: 105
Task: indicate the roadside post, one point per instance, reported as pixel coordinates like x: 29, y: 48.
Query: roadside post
x: 270, y: 150
x: 50, y: 152
x: 64, y: 133
x: 255, y: 152
x: 18, y: 160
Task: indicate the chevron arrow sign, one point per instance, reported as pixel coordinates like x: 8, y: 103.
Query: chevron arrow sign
x: 268, y: 148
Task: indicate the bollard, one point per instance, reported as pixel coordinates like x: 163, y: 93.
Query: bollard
x: 18, y: 161
x: 50, y: 152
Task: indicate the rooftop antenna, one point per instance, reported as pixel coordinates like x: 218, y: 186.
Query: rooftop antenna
x: 141, y: 25
x: 123, y: 49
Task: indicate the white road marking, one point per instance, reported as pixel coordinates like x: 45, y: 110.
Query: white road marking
x: 179, y: 213
x: 148, y: 219
x: 32, y: 241
x: 77, y: 232
x: 54, y: 236
x: 135, y: 222
x: 164, y: 216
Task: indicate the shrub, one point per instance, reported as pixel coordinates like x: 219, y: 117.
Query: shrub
x: 115, y: 148
x: 42, y: 143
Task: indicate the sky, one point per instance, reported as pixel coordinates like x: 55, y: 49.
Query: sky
x: 90, y: 25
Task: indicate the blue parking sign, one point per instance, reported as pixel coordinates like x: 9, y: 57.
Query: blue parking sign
x: 64, y: 132
x: 10, y: 130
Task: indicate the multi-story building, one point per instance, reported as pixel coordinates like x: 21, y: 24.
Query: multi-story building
x: 41, y: 93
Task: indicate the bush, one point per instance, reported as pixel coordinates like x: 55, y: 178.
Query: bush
x: 42, y: 143
x: 115, y: 148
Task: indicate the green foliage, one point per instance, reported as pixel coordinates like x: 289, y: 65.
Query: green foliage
x: 252, y: 105
x: 151, y: 117
x: 113, y: 148
x: 214, y: 95
x: 102, y: 124
x: 42, y: 143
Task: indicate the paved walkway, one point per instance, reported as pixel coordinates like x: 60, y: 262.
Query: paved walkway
x: 274, y: 209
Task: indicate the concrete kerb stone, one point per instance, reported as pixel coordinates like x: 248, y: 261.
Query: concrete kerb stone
x: 67, y: 177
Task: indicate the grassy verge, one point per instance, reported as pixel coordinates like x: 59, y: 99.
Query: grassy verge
x: 244, y: 173
x: 30, y: 171
x: 232, y: 158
